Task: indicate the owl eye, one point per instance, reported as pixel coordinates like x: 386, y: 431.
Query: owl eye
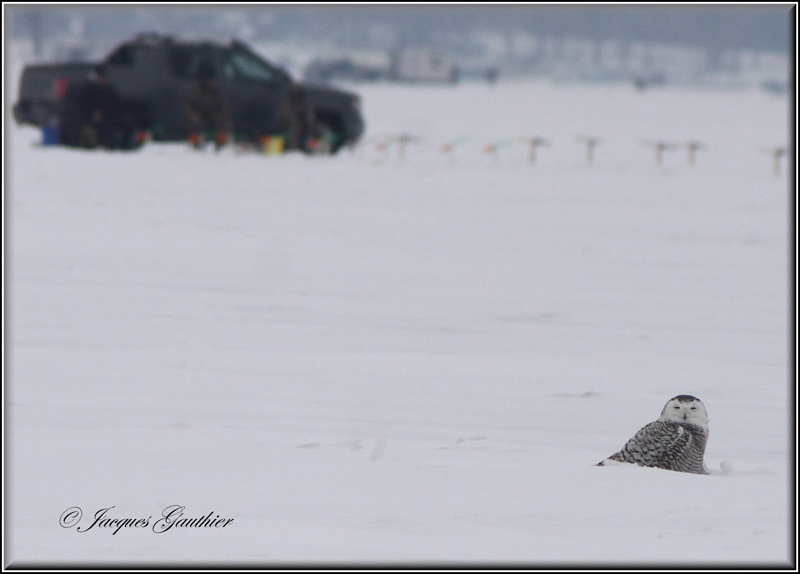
x: 675, y: 407
x: 694, y: 408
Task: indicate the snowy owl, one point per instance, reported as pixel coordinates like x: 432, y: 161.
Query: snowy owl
x: 676, y: 441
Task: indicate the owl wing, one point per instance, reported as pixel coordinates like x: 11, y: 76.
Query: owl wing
x: 657, y: 444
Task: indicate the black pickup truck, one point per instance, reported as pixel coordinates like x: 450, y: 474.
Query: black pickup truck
x: 155, y: 73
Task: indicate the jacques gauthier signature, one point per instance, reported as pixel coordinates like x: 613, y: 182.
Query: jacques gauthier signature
x: 171, y: 517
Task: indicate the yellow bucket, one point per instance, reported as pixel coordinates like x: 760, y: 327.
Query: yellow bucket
x: 272, y: 145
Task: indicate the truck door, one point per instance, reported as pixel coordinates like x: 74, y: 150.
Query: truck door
x: 137, y: 71
x: 254, y: 90
x: 185, y: 63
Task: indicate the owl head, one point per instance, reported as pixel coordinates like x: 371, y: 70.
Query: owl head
x: 685, y: 409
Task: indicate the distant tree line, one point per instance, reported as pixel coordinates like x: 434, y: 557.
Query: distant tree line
x: 713, y: 27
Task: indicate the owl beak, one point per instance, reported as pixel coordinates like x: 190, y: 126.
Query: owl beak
x: 685, y: 415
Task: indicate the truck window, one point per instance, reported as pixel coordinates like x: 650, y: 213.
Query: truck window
x: 122, y: 56
x: 241, y: 64
x: 185, y: 61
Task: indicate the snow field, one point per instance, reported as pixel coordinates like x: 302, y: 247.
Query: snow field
x: 363, y: 359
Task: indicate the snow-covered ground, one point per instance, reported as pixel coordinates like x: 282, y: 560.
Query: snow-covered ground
x: 369, y: 359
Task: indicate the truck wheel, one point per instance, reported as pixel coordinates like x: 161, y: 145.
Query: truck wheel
x: 329, y: 138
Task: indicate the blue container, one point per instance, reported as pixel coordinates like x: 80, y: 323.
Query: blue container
x: 51, y: 135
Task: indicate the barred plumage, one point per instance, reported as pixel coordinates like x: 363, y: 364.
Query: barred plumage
x: 676, y: 441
